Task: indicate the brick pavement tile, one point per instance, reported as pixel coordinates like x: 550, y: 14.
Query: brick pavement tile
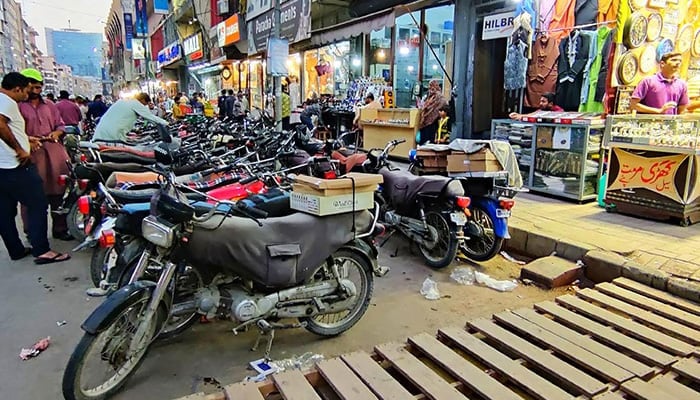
x: 680, y: 268
x: 648, y: 259
x: 696, y: 276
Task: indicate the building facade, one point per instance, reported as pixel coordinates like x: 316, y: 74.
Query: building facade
x: 81, y: 50
x: 18, y: 49
x: 49, y: 70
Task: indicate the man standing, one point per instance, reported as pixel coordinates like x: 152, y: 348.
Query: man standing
x: 19, y: 180
x: 221, y: 103
x: 96, y: 108
x: 369, y: 104
x: 120, y: 118
x: 663, y: 93
x: 44, y: 122
x: 70, y: 112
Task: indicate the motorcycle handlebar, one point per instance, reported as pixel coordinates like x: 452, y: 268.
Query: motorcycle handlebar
x: 248, y: 180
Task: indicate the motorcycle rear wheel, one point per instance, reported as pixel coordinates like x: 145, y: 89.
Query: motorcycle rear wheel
x: 103, y: 258
x: 486, y: 245
x: 110, y: 352
x: 445, y: 249
x: 327, y: 324
x: 76, y: 222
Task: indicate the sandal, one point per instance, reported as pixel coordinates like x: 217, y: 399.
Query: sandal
x: 59, y: 257
x: 27, y: 251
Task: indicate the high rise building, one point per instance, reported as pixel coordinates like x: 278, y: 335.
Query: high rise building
x: 12, y: 45
x: 81, y: 50
x: 49, y: 70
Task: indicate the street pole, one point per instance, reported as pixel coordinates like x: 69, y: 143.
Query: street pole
x: 277, y: 79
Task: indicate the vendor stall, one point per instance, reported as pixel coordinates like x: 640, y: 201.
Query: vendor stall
x: 380, y: 125
x: 653, y: 166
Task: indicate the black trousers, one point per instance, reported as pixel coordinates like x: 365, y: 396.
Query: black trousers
x: 23, y: 185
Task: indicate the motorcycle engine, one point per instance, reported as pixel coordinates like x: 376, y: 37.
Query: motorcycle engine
x: 243, y: 306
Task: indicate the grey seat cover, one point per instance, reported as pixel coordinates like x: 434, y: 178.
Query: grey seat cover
x: 402, y: 187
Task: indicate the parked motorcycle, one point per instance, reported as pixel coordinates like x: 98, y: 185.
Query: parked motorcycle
x: 317, y: 270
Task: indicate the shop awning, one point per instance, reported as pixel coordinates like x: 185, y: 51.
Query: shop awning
x: 354, y: 27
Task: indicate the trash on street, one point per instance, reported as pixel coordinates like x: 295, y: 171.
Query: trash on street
x: 36, y: 349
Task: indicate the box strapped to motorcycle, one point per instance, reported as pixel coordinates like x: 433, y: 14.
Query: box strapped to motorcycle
x: 348, y: 193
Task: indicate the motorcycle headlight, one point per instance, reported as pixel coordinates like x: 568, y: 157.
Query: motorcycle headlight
x: 158, y: 232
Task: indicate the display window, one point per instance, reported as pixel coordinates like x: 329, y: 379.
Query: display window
x: 380, y: 54
x: 407, y: 60
x: 439, y: 23
x: 327, y: 70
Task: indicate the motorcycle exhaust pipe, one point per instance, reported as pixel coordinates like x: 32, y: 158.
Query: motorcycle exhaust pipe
x: 181, y: 309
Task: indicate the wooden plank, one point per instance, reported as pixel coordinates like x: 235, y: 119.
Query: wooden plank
x: 429, y: 383
x: 609, y: 396
x: 689, y: 335
x: 244, y: 391
x: 469, y: 374
x: 575, y: 378
x: 645, y: 391
x: 688, y: 368
x: 579, y: 355
x: 375, y: 377
x: 529, y: 381
x: 660, y: 295
x: 654, y: 306
x: 293, y: 385
x: 607, y: 334
x: 345, y: 383
x: 676, y: 389
x: 628, y: 363
x: 628, y: 326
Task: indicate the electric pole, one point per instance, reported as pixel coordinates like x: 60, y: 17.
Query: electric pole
x: 277, y: 79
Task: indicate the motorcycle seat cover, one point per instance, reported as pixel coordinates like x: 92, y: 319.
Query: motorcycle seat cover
x: 126, y: 157
x: 103, y: 170
x: 284, y: 252
x: 402, y: 188
x: 124, y: 149
x: 88, y: 145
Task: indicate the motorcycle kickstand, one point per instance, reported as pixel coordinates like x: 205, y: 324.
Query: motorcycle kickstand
x: 266, y: 329
x: 388, y: 236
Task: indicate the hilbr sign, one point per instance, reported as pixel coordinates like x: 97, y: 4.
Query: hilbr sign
x: 497, y: 26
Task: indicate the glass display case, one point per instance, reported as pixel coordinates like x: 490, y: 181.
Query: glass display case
x: 561, y: 159
x: 653, y: 166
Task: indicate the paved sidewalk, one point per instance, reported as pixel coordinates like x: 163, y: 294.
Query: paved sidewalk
x: 540, y: 221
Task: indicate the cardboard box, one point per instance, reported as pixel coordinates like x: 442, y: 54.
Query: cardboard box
x: 432, y: 158
x: 481, y: 162
x: 333, y: 187
x: 544, y: 137
x: 329, y: 205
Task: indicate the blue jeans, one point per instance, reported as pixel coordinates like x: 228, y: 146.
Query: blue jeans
x: 307, y: 121
x: 23, y: 185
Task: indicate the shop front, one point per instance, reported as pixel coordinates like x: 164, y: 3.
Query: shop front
x: 169, y: 67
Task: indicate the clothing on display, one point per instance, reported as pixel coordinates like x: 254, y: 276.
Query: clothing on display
x: 598, y: 72
x: 592, y: 54
x: 546, y: 13
x: 527, y: 6
x: 522, y: 31
x: 586, y: 12
x: 515, y: 66
x: 542, y: 71
x: 563, y: 18
x: 574, y: 55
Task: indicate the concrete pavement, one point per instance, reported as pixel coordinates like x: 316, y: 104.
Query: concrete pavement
x: 611, y: 244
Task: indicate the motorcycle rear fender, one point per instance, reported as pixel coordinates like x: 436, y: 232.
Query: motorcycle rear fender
x: 500, y: 225
x: 366, y: 251
x: 115, y: 304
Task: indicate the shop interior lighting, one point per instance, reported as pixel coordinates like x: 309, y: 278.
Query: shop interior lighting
x: 410, y: 68
x: 356, y: 62
x: 434, y: 67
x: 381, y: 54
x: 336, y: 64
x: 404, y: 51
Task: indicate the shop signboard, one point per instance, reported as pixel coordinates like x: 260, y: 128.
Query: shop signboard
x: 230, y: 33
x: 257, y: 7
x: 169, y: 55
x: 192, y: 47
x: 295, y: 25
x: 497, y: 26
x: 221, y: 33
x: 140, y: 19
x: 160, y: 6
x: 656, y: 174
x: 128, y: 30
x: 139, y: 49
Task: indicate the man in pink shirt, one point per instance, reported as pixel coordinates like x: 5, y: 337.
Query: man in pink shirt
x: 663, y: 93
x: 44, y: 121
x: 70, y: 112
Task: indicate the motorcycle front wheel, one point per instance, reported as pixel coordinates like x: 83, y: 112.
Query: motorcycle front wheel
x: 443, y: 247
x: 354, y: 267
x: 101, y: 364
x: 483, y: 244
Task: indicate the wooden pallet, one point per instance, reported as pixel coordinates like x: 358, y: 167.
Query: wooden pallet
x: 621, y: 340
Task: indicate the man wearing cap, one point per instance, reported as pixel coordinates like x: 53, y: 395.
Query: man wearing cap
x: 119, y: 119
x: 70, y: 112
x: 43, y: 121
x: 19, y: 181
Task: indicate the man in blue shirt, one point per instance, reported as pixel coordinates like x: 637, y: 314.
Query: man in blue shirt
x: 96, y: 108
x: 118, y: 121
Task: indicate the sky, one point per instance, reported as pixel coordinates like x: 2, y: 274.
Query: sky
x: 86, y: 15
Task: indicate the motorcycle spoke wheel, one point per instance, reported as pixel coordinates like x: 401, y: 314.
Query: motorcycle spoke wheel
x: 355, y: 269
x: 444, y: 249
x: 484, y: 245
x: 76, y: 222
x: 187, y: 286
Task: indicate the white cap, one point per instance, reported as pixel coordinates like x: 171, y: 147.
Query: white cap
x: 71, y: 97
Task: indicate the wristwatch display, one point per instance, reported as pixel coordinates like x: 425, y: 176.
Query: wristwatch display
x: 665, y: 46
x: 692, y: 13
x: 662, y: 133
x: 695, y: 49
x: 627, y: 69
x: 635, y: 32
x: 637, y: 4
x: 685, y: 38
x: 647, y: 59
x: 655, y: 24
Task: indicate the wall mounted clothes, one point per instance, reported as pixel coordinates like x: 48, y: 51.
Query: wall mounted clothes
x: 592, y: 54
x: 515, y: 68
x: 586, y: 12
x: 542, y: 71
x: 527, y: 6
x: 522, y: 31
x: 574, y: 54
x: 563, y: 19
x: 546, y: 13
x: 598, y: 72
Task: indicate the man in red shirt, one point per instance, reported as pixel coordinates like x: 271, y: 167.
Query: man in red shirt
x: 546, y: 104
x: 70, y: 112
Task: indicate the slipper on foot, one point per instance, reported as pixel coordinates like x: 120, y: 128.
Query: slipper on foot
x: 27, y: 251
x: 59, y: 257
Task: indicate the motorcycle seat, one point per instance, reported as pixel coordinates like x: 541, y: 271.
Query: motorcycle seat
x: 88, y: 145
x: 403, y: 188
x: 142, y: 196
x: 102, y: 170
x: 349, y: 161
x: 125, y: 157
x: 108, y: 149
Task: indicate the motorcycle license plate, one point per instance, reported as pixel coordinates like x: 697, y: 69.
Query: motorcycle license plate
x: 458, y: 218
x: 501, y: 213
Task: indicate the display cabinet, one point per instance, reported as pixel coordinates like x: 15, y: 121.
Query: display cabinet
x: 380, y: 125
x: 557, y: 158
x: 653, y: 166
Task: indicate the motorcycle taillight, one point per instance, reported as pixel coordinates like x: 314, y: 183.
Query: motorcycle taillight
x: 329, y: 175
x: 62, y: 179
x: 83, y: 184
x: 507, y: 204
x: 463, y: 202
x: 83, y: 158
x: 84, y: 203
x: 107, y: 238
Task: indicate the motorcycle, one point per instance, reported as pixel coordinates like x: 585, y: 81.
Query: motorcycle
x: 317, y: 270
x: 432, y: 211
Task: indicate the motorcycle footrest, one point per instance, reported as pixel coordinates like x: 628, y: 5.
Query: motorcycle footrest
x: 61, y: 211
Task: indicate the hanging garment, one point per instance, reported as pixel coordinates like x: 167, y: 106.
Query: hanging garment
x: 563, y: 18
x: 527, y: 6
x: 542, y: 71
x: 522, y: 30
x: 598, y: 73
x: 607, y: 10
x: 573, y: 56
x: 546, y: 13
x: 592, y: 54
x: 586, y: 12
x: 515, y: 68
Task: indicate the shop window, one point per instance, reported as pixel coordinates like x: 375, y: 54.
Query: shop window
x: 327, y: 70
x: 439, y: 21
x: 292, y: 80
x: 406, y: 61
x: 380, y: 54
x: 255, y: 88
